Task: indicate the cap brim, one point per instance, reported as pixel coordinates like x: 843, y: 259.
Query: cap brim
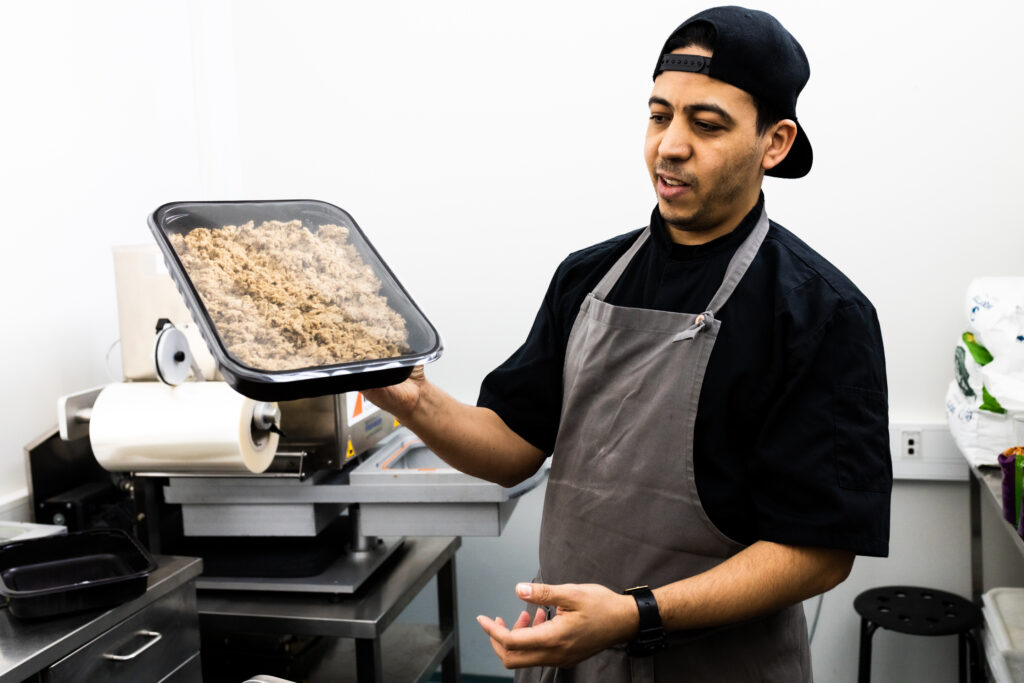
x: 798, y: 162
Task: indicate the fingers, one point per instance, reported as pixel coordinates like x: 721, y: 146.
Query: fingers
x: 530, y: 642
x: 564, y: 595
x: 523, y: 620
x: 576, y: 632
x: 495, y: 628
x: 524, y: 647
x: 500, y: 635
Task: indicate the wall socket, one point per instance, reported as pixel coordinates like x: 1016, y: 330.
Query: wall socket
x: 911, y: 443
x: 923, y: 450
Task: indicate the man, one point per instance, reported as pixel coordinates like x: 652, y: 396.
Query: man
x: 712, y: 393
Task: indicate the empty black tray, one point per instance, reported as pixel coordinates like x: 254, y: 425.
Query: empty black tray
x: 61, y: 574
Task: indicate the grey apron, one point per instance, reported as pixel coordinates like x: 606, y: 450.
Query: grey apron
x: 622, y: 508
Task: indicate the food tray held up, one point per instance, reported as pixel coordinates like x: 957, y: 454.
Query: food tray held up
x: 291, y: 298
x: 44, y: 577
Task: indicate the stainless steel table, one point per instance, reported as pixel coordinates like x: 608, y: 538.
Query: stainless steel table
x: 363, y: 616
x: 986, y: 484
x: 30, y: 646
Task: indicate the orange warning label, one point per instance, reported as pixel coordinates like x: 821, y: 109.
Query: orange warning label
x: 358, y: 407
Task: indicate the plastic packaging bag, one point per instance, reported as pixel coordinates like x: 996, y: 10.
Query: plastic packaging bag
x: 995, y: 311
x: 996, y: 316
x: 981, y: 435
x: 988, y: 386
x: 1004, y: 379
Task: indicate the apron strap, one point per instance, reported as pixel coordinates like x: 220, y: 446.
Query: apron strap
x: 739, y: 263
x: 641, y: 669
x: 616, y: 271
x: 735, y: 271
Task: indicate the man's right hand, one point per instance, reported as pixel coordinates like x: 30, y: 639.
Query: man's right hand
x: 469, y: 438
x: 399, y: 399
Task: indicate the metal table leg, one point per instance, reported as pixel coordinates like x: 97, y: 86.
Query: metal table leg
x: 448, y: 619
x: 977, y: 570
x: 368, y: 664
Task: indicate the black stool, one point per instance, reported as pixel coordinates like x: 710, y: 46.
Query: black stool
x: 919, y: 612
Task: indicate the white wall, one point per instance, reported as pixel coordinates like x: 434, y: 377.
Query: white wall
x: 99, y: 125
x: 477, y: 144
x: 475, y: 152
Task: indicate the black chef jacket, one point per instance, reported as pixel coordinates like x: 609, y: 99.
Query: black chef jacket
x: 791, y: 441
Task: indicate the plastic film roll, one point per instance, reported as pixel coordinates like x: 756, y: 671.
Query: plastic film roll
x: 194, y: 427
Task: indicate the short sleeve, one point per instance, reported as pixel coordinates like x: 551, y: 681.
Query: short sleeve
x: 526, y: 390
x: 822, y: 472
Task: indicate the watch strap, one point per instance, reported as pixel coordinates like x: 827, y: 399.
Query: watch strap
x: 650, y: 635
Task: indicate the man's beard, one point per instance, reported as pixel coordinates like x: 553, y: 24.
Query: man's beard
x: 723, y: 194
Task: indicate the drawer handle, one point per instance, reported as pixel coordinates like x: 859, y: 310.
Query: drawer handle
x: 154, y: 639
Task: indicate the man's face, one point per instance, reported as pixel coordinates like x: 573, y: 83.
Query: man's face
x: 703, y: 153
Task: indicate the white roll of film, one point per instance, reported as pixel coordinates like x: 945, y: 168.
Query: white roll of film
x: 193, y: 427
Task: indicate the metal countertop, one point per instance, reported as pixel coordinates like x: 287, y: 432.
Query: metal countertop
x: 29, y: 646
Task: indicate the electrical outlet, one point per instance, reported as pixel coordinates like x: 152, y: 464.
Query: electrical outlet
x: 922, y: 450
x: 911, y: 443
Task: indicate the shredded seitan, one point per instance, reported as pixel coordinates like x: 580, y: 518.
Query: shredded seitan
x: 283, y: 297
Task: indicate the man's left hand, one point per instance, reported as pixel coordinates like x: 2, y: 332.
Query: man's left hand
x: 589, y: 618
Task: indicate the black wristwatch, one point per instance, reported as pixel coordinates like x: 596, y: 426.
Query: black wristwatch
x: 650, y: 638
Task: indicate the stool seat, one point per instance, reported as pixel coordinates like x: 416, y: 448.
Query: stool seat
x: 918, y: 611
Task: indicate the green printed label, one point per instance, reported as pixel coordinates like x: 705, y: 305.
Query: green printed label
x: 989, y: 402
x: 979, y: 353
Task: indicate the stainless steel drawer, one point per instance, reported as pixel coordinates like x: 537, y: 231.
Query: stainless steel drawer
x: 145, y: 647
x: 189, y: 672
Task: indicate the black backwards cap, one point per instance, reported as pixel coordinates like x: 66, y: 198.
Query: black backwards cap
x: 756, y: 54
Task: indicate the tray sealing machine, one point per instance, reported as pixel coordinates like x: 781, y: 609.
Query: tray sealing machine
x: 346, y: 477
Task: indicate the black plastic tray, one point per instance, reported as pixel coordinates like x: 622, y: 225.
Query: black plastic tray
x: 44, y: 577
x: 286, y: 385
